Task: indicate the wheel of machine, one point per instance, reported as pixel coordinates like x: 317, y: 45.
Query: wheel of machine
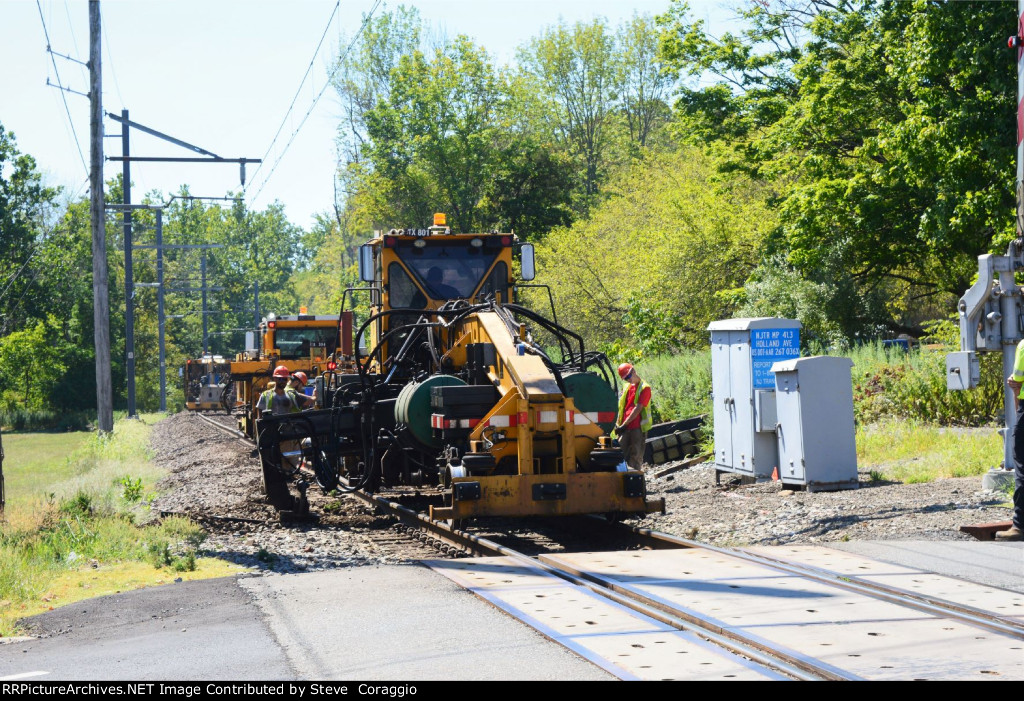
x: 227, y: 397
x: 605, y: 459
x: 326, y: 474
x: 275, y: 486
x: 456, y: 524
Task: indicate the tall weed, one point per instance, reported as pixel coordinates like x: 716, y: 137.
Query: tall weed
x: 891, y: 383
x: 90, y: 518
x: 680, y: 384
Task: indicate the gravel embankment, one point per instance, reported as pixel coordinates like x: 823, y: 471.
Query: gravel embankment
x: 215, y: 478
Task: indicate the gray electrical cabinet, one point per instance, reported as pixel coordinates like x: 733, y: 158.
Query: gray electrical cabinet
x: 814, y: 406
x: 743, y: 391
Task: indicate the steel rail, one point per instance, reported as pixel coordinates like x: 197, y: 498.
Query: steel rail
x: 928, y: 604
x: 790, y: 663
x: 793, y: 665
x: 234, y: 432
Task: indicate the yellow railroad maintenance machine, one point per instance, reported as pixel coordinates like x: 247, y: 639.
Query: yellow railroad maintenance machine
x: 307, y: 342
x: 453, y: 390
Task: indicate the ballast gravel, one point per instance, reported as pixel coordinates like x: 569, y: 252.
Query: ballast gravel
x: 214, y: 478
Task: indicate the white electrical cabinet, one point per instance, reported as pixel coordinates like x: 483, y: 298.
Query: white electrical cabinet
x: 814, y: 406
x: 743, y: 391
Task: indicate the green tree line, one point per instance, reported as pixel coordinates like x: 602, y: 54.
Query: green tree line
x: 836, y: 161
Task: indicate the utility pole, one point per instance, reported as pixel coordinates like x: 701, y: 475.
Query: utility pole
x: 206, y: 332
x: 161, y: 321
x: 129, y: 290
x: 160, y: 246
x: 256, y: 303
x: 100, y: 275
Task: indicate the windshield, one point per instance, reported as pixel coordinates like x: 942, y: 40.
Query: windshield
x: 448, y: 271
x: 297, y: 343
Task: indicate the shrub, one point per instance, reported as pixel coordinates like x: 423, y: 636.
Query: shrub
x: 20, y: 419
x: 680, y: 384
x: 131, y: 489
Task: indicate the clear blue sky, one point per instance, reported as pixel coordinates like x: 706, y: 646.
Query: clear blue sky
x: 220, y: 74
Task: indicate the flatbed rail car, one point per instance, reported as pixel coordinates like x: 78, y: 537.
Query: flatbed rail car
x: 454, y: 391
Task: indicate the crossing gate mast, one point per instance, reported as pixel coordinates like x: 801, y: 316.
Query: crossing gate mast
x: 990, y: 312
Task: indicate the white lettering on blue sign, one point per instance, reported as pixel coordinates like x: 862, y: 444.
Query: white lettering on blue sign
x: 769, y: 346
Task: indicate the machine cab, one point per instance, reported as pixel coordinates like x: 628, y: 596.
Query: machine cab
x: 301, y: 337
x: 413, y: 270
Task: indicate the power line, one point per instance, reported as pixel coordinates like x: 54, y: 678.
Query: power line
x: 62, y: 89
x: 299, y: 89
x: 110, y: 62
x: 71, y: 26
x: 366, y: 20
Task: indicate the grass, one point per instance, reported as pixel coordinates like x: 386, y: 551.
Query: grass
x: 911, y: 451
x: 78, y: 524
x: 34, y: 462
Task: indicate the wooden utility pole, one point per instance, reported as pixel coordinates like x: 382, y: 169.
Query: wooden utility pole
x: 100, y: 276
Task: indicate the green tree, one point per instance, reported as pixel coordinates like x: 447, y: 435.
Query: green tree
x: 40, y: 370
x: 25, y: 206
x: 755, y: 83
x: 653, y: 264
x: 575, y: 68
x: 433, y: 142
x: 885, y: 132
x: 643, y: 82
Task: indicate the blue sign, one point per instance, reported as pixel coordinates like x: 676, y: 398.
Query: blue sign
x: 769, y: 346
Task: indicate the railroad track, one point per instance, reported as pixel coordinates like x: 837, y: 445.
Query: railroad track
x: 669, y: 608
x: 646, y: 605
x: 226, y: 426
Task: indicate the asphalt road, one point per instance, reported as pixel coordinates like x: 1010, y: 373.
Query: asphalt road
x: 394, y: 623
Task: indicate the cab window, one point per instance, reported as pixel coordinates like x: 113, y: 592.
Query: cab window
x: 402, y: 291
x: 496, y: 283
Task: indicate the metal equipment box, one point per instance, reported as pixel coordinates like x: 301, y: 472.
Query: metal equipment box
x: 963, y: 370
x: 814, y: 403
x: 743, y: 391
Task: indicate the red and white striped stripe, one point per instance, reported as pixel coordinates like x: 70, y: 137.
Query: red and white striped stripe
x: 594, y: 417
x: 578, y: 418
x: 438, y: 421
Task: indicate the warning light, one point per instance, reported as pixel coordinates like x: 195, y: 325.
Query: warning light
x: 271, y: 324
x: 302, y: 310
x: 332, y: 365
x: 440, y: 219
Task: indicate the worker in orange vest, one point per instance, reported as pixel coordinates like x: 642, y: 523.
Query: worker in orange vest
x: 633, y: 420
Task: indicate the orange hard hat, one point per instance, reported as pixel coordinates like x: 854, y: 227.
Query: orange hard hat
x: 282, y: 371
x: 625, y: 370
x: 300, y: 376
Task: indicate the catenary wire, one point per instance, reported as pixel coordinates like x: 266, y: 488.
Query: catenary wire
x: 366, y: 20
x: 299, y: 89
x: 63, y: 97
